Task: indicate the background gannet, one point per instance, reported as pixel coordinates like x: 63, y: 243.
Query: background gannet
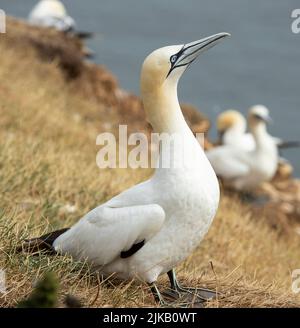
x: 52, y: 13
x: 148, y: 229
x: 246, y: 168
x: 232, y: 126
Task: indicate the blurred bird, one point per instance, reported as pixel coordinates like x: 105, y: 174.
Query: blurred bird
x: 232, y: 127
x: 149, y: 229
x: 52, y: 13
x: 241, y: 165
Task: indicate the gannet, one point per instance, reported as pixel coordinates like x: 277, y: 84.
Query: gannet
x: 149, y: 229
x: 246, y: 168
x: 52, y: 13
x: 232, y: 126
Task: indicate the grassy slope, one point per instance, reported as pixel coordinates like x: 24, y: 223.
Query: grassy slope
x: 47, y: 160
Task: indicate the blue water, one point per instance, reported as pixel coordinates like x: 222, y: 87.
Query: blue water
x: 259, y: 64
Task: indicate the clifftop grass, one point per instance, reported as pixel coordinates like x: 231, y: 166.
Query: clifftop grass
x: 49, y: 179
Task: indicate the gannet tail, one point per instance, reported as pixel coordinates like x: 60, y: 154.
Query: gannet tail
x: 43, y: 243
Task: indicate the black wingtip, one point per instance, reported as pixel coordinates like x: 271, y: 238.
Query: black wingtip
x: 132, y: 250
x: 43, y: 243
x: 289, y: 144
x: 84, y: 35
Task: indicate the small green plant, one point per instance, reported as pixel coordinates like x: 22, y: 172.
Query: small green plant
x: 44, y: 295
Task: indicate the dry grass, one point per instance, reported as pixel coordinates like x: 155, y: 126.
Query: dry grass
x: 47, y: 163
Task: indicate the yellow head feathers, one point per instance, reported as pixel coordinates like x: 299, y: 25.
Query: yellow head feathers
x: 228, y: 119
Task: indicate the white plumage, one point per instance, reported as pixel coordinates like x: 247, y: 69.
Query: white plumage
x: 232, y: 125
x: 243, y: 165
x: 173, y: 210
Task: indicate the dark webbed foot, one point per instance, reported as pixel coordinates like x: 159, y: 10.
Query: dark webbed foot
x: 195, y: 295
x: 201, y: 293
x: 160, y: 298
x: 178, y: 296
x: 183, y: 299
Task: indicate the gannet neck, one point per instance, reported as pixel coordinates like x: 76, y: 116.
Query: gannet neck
x: 260, y: 135
x: 239, y: 127
x: 235, y: 131
x: 163, y: 110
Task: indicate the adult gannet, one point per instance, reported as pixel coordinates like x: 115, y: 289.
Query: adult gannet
x: 246, y: 168
x: 148, y: 229
x: 52, y: 13
x: 232, y: 127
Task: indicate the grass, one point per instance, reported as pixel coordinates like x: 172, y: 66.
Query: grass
x: 49, y: 179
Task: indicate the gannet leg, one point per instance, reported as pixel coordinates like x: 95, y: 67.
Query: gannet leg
x: 157, y: 295
x: 170, y: 294
x: 201, y: 294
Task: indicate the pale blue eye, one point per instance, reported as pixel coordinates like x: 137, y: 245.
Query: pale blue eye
x: 173, y: 59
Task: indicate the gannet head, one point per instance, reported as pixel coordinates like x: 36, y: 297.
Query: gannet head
x: 231, y: 119
x: 160, y: 74
x: 166, y: 65
x: 259, y: 116
x: 55, y: 7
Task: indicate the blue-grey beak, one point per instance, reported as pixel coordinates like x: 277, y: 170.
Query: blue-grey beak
x: 192, y: 50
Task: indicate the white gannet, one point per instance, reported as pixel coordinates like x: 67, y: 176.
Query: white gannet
x: 246, y: 168
x: 232, y: 126
x: 148, y: 229
x: 53, y: 13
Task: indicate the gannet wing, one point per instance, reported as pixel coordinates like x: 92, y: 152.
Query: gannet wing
x: 277, y: 141
x: 107, y: 233
x: 228, y: 163
x: 64, y: 24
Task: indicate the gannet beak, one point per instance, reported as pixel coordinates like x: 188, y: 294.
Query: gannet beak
x: 268, y: 119
x: 192, y: 50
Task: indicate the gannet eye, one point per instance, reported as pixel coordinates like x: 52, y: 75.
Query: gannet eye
x: 173, y: 59
x: 258, y: 117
